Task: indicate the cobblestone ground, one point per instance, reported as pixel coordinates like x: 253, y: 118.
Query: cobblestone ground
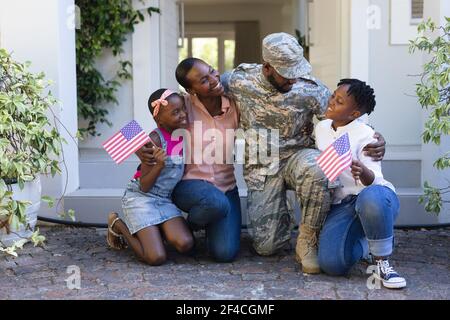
x: 422, y: 256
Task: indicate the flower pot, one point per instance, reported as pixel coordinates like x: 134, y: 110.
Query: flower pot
x: 32, y: 193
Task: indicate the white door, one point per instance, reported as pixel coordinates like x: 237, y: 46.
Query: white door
x: 328, y: 39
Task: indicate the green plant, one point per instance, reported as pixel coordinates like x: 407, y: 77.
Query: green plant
x: 433, y: 92
x: 104, y: 24
x: 28, y: 144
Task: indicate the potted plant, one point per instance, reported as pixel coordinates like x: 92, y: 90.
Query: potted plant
x: 29, y: 147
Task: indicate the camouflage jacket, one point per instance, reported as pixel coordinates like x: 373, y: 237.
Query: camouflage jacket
x: 263, y: 107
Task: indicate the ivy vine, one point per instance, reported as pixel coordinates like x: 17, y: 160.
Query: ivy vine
x: 104, y: 24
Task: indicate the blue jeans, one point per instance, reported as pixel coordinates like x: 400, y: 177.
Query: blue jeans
x: 218, y: 212
x: 360, y: 224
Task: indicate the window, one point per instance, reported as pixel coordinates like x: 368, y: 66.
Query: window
x: 213, y: 43
x: 206, y: 49
x: 416, y: 11
x: 404, y: 19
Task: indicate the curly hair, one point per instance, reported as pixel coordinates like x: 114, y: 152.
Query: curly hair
x: 362, y: 93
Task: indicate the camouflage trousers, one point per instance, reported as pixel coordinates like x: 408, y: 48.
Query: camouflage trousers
x: 271, y: 221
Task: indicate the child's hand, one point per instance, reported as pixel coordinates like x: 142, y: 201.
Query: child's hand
x: 362, y: 173
x: 160, y: 157
x: 357, y: 169
x: 145, y: 154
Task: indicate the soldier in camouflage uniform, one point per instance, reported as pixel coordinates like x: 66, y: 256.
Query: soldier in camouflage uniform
x: 281, y: 94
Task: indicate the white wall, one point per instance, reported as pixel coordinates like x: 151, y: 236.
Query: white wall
x: 169, y: 49
x: 43, y: 33
x: 270, y: 16
x: 326, y: 41
x: 119, y: 114
x: 397, y: 115
x: 152, y: 49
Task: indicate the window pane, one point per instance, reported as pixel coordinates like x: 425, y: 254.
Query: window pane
x: 417, y: 9
x: 229, y: 54
x: 183, y: 52
x: 207, y: 50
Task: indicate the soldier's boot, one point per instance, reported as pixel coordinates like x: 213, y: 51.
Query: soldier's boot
x: 306, y: 249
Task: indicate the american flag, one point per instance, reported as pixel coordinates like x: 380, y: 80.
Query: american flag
x: 125, y: 142
x: 336, y: 158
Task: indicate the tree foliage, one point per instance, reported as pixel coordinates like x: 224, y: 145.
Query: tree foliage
x: 433, y: 92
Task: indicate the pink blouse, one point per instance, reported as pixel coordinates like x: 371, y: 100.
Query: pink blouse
x: 209, y: 153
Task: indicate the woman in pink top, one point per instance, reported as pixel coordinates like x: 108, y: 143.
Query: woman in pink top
x: 208, y: 191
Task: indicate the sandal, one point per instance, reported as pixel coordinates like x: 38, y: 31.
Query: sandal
x: 115, y: 240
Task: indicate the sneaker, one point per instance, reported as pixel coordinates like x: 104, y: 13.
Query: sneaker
x: 388, y: 276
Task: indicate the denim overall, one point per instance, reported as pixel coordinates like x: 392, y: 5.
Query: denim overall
x: 144, y: 209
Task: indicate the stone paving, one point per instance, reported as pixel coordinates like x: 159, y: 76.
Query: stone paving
x: 422, y: 256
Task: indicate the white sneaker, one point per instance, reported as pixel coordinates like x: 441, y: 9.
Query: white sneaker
x: 388, y: 276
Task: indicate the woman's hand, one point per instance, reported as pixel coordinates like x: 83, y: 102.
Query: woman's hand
x: 146, y: 154
x: 377, y: 149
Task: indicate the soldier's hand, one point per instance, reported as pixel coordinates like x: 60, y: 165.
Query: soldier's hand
x: 377, y: 149
x: 307, y: 129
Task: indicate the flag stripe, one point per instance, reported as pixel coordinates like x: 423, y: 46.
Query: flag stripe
x: 324, y: 154
x: 118, y: 143
x: 134, y: 147
x: 112, y: 139
x: 122, y: 143
x: 123, y: 149
x: 329, y: 152
x: 142, y: 139
x: 125, y: 142
x: 330, y: 161
x: 117, y: 149
x: 336, y: 157
x: 137, y: 147
x: 338, y: 162
x: 341, y: 168
x: 339, y: 171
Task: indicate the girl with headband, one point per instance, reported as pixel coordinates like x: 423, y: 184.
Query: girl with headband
x: 149, y: 216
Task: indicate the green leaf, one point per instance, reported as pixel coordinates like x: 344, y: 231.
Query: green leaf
x: 71, y: 214
x: 10, y: 250
x: 37, y: 239
x: 49, y: 200
x: 14, y: 222
x: 434, y: 95
x: 20, y: 243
